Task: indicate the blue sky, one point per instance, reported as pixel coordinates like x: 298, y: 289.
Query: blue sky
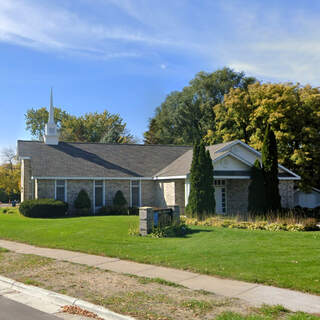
x: 127, y: 55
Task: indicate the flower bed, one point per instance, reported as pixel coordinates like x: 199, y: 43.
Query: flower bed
x: 308, y: 224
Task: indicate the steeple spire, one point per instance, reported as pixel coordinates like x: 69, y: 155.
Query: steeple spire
x: 51, y: 111
x: 51, y: 135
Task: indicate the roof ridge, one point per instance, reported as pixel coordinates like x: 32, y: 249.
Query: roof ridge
x: 114, y: 144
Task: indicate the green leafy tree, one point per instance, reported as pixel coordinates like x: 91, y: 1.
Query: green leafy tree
x: 188, y: 115
x: 91, y: 127
x: 257, y: 192
x: 293, y: 113
x: 201, y: 202
x: 270, y: 170
x: 36, y: 120
x: 9, y: 175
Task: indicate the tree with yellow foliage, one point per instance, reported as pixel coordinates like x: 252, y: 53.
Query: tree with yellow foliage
x: 293, y: 112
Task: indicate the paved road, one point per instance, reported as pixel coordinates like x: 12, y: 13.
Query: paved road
x: 11, y: 310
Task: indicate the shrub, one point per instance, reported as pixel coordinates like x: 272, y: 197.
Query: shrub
x: 82, y: 203
x: 175, y: 230
x: 119, y: 201
x: 43, y: 208
x: 309, y: 224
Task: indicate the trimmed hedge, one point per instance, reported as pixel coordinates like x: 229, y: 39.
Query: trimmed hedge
x: 43, y: 208
x: 82, y: 200
x: 119, y: 201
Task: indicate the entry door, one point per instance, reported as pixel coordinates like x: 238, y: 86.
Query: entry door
x: 220, y: 196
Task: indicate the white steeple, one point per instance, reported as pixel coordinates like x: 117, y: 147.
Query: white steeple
x: 51, y: 135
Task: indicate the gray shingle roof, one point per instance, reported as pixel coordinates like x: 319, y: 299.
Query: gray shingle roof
x: 181, y: 166
x: 98, y: 159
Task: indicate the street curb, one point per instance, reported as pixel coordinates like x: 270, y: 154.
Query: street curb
x: 59, y: 299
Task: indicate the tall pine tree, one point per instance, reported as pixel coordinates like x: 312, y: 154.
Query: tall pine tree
x: 201, y: 202
x: 257, y: 191
x: 211, y: 201
x: 270, y: 170
x: 193, y: 201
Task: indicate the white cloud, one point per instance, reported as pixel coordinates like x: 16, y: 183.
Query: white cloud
x: 48, y: 27
x: 163, y: 66
x: 259, y: 39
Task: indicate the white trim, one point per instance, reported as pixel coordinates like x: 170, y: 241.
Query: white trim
x: 24, y: 158
x: 259, y: 154
x: 168, y: 177
x: 55, y: 189
x: 93, y: 178
x: 231, y: 154
x: 230, y: 177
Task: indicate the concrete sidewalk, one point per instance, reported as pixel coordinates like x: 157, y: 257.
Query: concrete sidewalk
x: 254, y: 294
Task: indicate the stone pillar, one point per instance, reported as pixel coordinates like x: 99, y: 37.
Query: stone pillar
x: 176, y: 213
x: 26, y: 183
x: 146, y: 220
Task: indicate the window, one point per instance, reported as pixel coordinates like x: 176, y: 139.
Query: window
x: 219, y: 183
x: 220, y: 195
x: 135, y: 193
x: 98, y: 191
x: 61, y: 190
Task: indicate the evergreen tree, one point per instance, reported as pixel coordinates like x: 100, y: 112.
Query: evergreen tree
x: 270, y: 170
x: 201, y: 198
x: 257, y: 192
x: 193, y: 201
x: 211, y: 201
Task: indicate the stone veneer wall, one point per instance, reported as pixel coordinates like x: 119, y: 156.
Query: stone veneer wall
x: 112, y: 186
x: 170, y: 193
x: 180, y: 194
x: 237, y: 195
x: 27, y: 185
x: 286, y: 189
x: 148, y: 190
x: 73, y: 189
x: 165, y: 194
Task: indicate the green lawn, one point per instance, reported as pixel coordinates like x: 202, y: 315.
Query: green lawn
x: 284, y: 259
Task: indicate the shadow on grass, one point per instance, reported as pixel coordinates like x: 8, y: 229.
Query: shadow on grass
x: 188, y: 234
